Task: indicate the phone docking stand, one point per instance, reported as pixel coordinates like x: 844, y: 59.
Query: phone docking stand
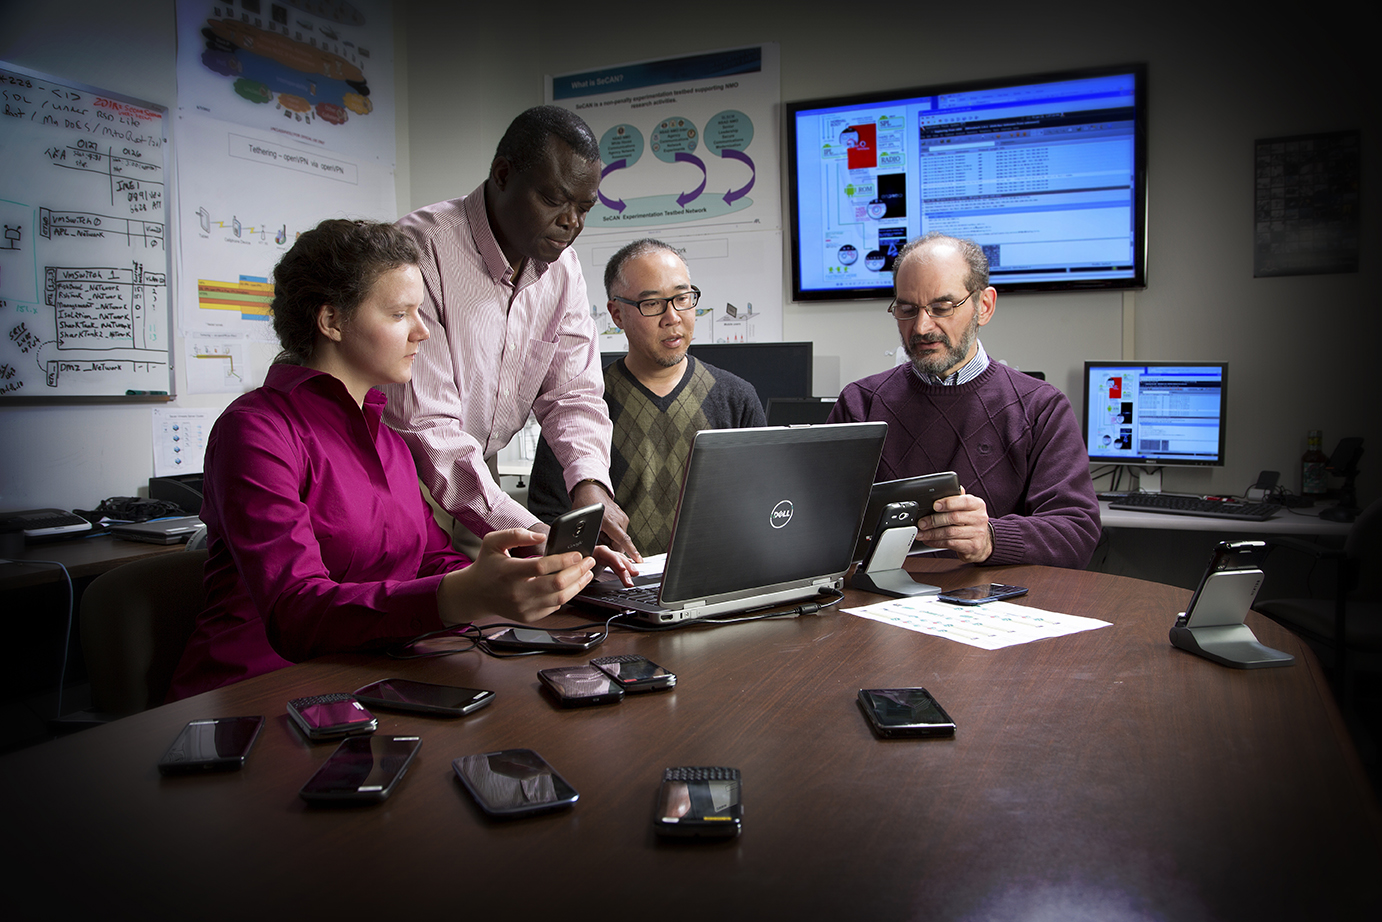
x: 1229, y: 645
x: 1213, y: 626
x: 882, y: 572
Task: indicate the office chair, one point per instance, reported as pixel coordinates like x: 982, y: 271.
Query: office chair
x: 135, y: 621
x: 1352, y: 620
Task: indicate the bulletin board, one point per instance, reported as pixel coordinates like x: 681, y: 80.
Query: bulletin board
x: 84, y: 261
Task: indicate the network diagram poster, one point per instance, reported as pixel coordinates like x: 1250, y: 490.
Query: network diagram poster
x: 285, y: 118
x: 690, y: 153
x: 317, y: 75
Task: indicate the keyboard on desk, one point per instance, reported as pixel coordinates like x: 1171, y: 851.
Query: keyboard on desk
x: 1175, y: 504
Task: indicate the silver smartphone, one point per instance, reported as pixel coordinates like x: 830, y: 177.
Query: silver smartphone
x: 1223, y: 598
x: 1227, y: 557
x: 893, y: 536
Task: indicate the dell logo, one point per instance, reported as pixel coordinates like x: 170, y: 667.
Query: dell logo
x: 781, y: 514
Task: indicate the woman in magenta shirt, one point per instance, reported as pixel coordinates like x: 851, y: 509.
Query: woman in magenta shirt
x: 319, y: 538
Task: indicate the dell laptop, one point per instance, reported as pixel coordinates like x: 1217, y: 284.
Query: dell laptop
x: 766, y: 516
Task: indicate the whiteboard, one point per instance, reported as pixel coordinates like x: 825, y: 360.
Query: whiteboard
x: 84, y: 261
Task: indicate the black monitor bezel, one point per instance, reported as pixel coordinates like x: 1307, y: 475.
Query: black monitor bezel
x: 802, y: 387
x: 1139, y: 279
x: 1157, y: 462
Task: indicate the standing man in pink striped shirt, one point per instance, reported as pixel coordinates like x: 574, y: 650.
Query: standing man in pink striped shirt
x: 511, y: 331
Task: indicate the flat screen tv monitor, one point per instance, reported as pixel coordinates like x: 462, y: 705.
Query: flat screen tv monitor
x: 1048, y: 173
x: 774, y: 369
x: 1156, y: 413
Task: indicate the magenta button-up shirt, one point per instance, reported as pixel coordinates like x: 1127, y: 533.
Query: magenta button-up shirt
x: 320, y: 541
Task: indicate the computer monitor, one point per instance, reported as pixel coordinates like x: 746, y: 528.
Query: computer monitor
x: 1156, y: 413
x: 1048, y: 173
x: 774, y: 369
x: 799, y: 411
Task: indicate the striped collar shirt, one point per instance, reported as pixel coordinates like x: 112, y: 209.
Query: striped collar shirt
x: 971, y: 370
x: 501, y: 345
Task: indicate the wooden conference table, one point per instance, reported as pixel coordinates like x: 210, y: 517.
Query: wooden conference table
x: 1102, y: 775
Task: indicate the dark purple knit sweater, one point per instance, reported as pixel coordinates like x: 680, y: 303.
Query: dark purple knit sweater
x: 1012, y: 440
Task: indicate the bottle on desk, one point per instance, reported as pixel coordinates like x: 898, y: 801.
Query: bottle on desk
x: 1312, y: 473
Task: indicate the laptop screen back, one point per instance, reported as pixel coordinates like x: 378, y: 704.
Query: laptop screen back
x: 771, y: 507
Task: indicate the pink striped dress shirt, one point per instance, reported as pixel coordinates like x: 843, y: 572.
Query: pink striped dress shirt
x: 492, y: 357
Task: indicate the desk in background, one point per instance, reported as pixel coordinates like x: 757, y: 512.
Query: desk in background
x: 1099, y: 775
x: 34, y: 602
x: 1175, y: 549
x: 83, y: 557
x: 1301, y: 522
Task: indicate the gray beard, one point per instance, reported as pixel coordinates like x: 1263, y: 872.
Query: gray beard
x: 953, y: 356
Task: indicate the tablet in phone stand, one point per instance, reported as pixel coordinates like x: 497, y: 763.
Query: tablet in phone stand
x: 882, y: 572
x: 1214, y: 627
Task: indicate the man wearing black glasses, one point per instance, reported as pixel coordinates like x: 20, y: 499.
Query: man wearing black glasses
x: 1013, y: 440
x: 658, y: 396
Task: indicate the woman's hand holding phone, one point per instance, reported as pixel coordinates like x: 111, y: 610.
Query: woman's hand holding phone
x: 579, y: 530
x: 499, y: 585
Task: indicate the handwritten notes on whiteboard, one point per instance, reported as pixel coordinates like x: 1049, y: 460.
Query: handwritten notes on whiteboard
x: 84, y: 256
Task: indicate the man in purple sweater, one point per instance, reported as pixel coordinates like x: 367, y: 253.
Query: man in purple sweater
x: 1012, y: 439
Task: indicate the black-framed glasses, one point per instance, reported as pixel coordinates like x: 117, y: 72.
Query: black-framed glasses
x: 656, y: 307
x: 938, y: 310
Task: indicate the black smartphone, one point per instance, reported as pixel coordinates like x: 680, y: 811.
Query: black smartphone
x: 219, y: 744
x: 978, y: 595
x: 890, y: 547
x: 525, y: 638
x: 423, y: 697
x: 577, y: 530
x: 1346, y: 454
x: 904, y: 712
x: 363, y: 769
x: 923, y: 490
x: 700, y: 801
x: 634, y: 673
x: 323, y: 717
x: 1227, y: 556
x: 513, y: 782
x: 578, y: 686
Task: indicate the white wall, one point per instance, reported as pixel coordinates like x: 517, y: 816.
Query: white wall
x: 75, y: 456
x: 1300, y: 349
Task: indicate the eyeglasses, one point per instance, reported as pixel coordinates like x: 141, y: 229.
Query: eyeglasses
x: 938, y: 310
x: 656, y: 307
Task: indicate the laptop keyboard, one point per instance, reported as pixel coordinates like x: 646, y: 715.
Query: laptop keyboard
x: 642, y: 598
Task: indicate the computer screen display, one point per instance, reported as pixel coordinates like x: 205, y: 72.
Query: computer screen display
x: 1156, y: 413
x: 774, y: 369
x: 1047, y: 173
